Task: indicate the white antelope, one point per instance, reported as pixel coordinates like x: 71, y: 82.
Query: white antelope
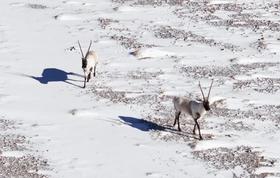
x: 89, y: 63
x: 194, y: 108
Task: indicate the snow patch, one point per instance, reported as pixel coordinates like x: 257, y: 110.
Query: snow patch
x: 67, y: 17
x: 16, y: 154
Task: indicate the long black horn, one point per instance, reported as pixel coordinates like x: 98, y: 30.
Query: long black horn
x: 201, y: 91
x: 89, y: 46
x: 81, y: 49
x: 210, y: 89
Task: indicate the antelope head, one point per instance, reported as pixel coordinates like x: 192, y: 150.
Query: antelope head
x: 206, y: 100
x: 84, y: 57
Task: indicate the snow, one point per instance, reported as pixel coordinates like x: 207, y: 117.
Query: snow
x: 67, y: 17
x: 13, y: 154
x: 83, y: 135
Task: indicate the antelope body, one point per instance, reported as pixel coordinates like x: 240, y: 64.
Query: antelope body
x: 196, y: 109
x: 89, y: 63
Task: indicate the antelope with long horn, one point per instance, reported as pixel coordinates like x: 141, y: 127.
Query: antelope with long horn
x: 194, y: 108
x: 89, y: 63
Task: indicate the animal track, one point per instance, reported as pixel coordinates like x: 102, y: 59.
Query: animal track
x: 67, y: 17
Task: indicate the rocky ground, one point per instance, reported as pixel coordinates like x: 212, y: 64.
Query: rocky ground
x: 17, y: 155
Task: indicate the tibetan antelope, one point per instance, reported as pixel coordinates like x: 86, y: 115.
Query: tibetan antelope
x: 89, y: 63
x: 194, y: 108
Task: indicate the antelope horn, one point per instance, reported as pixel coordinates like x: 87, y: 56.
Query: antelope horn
x: 201, y: 91
x: 81, y: 49
x: 89, y: 46
x: 210, y: 88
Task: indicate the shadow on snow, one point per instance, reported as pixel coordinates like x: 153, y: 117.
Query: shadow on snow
x: 56, y: 75
x: 147, y: 126
x: 141, y: 124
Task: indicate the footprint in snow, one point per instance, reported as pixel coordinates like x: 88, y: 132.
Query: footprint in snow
x: 72, y: 2
x: 146, y: 53
x: 67, y: 17
x: 77, y: 3
x: 140, y: 145
x: 83, y: 112
x: 155, y: 174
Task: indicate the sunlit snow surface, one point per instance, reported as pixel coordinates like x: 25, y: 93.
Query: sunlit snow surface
x: 149, y: 51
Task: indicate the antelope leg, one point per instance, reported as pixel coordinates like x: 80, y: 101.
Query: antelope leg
x: 94, y: 71
x: 200, y: 137
x: 194, y: 128
x: 177, y: 118
x: 85, y: 81
x: 88, y: 77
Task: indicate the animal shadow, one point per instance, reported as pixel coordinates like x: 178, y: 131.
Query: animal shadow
x: 141, y: 124
x: 56, y: 75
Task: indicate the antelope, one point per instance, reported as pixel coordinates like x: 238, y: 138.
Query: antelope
x: 194, y: 108
x: 89, y: 63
